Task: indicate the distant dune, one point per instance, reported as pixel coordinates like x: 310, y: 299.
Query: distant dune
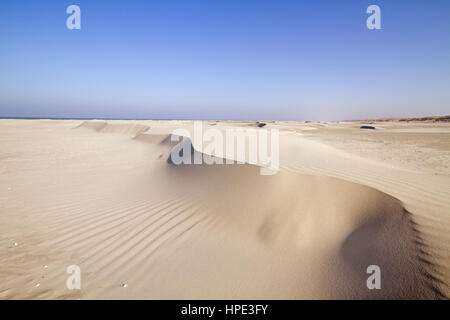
x: 102, y: 195
x: 429, y: 118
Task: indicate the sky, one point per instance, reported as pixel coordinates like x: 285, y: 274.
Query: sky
x: 224, y: 59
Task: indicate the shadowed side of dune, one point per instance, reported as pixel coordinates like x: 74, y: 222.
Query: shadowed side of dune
x: 337, y: 228
x: 93, y: 125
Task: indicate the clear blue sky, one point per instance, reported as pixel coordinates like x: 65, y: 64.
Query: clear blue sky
x: 224, y: 59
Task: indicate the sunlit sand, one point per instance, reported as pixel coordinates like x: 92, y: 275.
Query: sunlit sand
x: 102, y: 195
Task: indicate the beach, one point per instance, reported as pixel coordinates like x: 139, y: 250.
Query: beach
x: 105, y: 195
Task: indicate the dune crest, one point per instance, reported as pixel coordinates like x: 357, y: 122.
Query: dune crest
x: 114, y: 127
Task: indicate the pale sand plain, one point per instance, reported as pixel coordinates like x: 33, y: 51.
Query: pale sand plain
x: 102, y: 195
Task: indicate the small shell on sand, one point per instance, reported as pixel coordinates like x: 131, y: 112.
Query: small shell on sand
x: 124, y: 285
x: 15, y: 244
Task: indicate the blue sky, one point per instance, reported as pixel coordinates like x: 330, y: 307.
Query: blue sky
x: 224, y: 59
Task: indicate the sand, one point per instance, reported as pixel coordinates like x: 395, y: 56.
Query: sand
x: 102, y: 195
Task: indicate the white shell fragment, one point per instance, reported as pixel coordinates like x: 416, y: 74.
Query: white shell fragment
x: 124, y: 285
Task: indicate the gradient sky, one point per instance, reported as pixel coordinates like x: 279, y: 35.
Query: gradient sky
x: 224, y: 59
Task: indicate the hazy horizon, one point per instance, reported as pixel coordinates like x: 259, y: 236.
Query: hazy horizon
x: 236, y: 60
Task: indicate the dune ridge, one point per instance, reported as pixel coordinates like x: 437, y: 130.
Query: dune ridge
x: 115, y: 127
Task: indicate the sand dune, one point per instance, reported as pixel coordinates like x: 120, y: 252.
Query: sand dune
x: 76, y: 193
x: 125, y: 127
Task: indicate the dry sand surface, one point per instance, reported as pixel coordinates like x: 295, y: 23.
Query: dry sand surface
x: 102, y: 195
